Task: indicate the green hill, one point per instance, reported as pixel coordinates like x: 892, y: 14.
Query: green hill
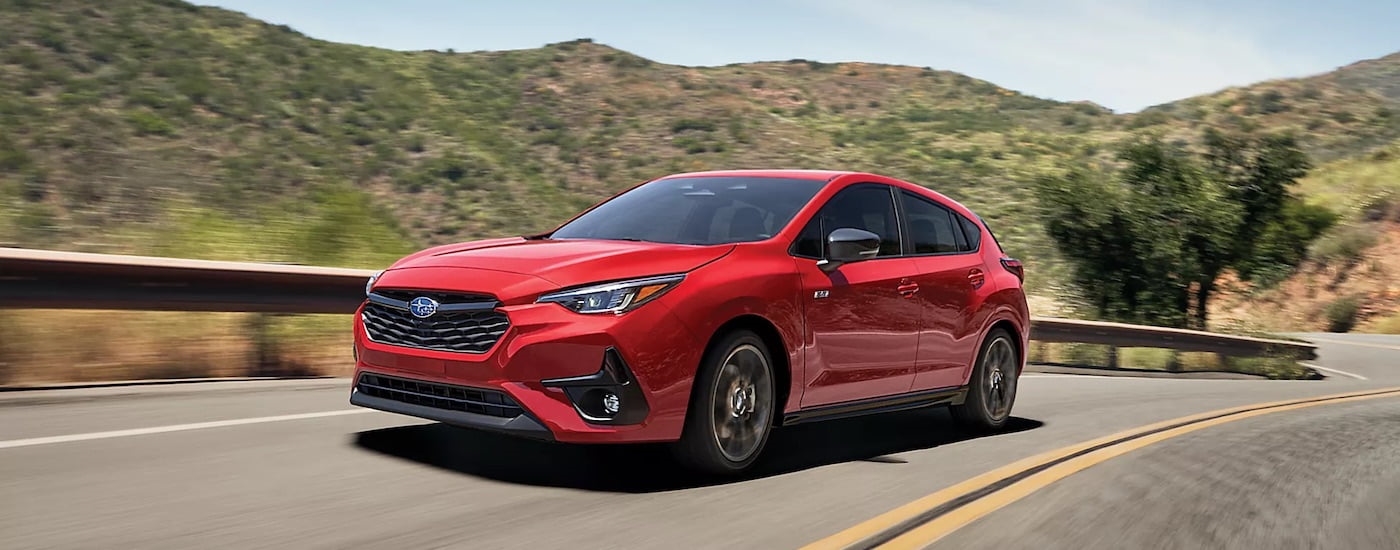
x: 156, y: 126
x: 1351, y: 110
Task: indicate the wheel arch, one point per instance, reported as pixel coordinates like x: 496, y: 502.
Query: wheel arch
x: 1016, y: 340
x: 777, y: 352
x: 1004, y: 319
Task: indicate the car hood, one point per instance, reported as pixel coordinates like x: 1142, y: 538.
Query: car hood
x: 567, y: 262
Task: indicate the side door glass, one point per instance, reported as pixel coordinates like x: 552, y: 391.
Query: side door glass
x: 866, y: 207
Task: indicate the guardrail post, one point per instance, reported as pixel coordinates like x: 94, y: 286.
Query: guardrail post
x: 264, y: 348
x: 1174, y: 362
x: 1112, y: 357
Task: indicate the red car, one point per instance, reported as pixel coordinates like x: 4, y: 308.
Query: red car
x: 704, y: 309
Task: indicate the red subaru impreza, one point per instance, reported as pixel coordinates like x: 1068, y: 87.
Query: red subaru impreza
x: 704, y: 309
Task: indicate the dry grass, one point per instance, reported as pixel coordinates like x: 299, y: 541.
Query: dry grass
x: 80, y: 346
x: 1301, y: 301
x: 1387, y: 325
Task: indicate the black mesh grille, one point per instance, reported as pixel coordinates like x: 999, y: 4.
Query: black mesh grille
x: 459, y: 331
x: 440, y: 396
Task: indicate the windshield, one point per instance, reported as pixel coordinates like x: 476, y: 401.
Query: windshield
x: 696, y: 210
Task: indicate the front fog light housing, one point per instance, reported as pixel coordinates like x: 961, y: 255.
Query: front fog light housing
x: 611, y: 395
x: 619, y: 297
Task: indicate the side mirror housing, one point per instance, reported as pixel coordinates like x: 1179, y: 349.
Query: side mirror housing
x: 846, y: 245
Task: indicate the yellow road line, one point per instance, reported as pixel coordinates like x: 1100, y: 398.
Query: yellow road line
x: 924, y: 521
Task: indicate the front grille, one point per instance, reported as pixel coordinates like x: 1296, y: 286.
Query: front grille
x: 456, y: 331
x: 440, y: 396
x: 441, y: 297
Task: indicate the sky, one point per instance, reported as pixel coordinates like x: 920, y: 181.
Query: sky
x: 1125, y: 55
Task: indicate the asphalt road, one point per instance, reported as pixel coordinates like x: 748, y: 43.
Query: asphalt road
x: 283, y: 467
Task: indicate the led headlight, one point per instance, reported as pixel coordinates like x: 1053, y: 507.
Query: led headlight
x: 370, y: 283
x: 618, y: 297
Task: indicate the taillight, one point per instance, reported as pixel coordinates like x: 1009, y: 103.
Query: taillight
x: 1014, y: 266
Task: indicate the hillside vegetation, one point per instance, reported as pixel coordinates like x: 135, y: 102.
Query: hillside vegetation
x: 1351, y: 279
x: 160, y: 127
x: 125, y: 119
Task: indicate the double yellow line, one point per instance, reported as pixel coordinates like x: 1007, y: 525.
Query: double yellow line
x: 923, y: 522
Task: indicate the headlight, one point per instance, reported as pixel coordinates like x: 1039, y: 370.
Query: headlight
x: 619, y: 297
x: 370, y: 283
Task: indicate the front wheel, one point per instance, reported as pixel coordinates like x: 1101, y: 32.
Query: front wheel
x: 992, y: 388
x: 732, y: 407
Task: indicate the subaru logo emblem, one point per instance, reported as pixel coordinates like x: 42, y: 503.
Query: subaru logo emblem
x: 423, y: 307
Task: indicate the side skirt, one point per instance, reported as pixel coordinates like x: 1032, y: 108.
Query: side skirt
x: 878, y: 405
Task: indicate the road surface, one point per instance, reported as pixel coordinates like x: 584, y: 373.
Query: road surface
x: 290, y: 464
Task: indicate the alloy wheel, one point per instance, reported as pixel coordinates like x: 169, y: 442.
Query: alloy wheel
x: 743, y: 403
x: 1000, y: 369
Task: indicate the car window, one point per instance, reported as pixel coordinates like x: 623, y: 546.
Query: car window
x: 931, y: 226
x: 864, y: 206
x: 990, y: 233
x: 974, y: 233
x: 696, y: 210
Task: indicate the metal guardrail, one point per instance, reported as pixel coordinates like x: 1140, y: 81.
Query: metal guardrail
x: 43, y: 279
x: 1123, y: 335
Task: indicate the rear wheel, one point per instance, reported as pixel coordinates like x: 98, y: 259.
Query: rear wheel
x: 732, y: 406
x: 992, y: 388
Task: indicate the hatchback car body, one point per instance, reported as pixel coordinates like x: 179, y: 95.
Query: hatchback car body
x: 704, y: 309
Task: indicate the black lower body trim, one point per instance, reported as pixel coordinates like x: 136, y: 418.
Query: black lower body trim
x: 522, y: 425
x: 878, y: 405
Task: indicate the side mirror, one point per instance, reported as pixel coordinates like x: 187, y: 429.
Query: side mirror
x: 846, y: 245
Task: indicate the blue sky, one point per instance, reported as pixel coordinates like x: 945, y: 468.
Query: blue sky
x: 1124, y: 54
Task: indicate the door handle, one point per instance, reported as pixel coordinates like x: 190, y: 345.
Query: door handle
x: 908, y: 289
x: 976, y: 277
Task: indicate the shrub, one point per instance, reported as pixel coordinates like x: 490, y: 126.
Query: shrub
x: 1345, y: 243
x: 148, y: 123
x: 692, y: 124
x: 1341, y: 314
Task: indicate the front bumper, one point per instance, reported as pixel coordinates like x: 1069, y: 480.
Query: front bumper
x: 555, y: 366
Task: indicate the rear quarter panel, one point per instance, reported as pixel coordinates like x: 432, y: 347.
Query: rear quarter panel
x: 1005, y: 301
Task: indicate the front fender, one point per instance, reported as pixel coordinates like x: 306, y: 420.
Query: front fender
x: 765, y: 290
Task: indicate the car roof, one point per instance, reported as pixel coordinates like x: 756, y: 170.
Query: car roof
x: 822, y: 175
x: 799, y: 174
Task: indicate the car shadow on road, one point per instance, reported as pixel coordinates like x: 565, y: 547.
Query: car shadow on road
x: 650, y: 468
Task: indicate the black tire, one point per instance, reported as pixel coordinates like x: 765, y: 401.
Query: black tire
x: 985, y: 408
x: 725, y: 433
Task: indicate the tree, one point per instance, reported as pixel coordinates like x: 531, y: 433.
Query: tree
x: 1188, y: 223
x: 1258, y: 172
x: 1094, y: 226
x: 1150, y: 239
